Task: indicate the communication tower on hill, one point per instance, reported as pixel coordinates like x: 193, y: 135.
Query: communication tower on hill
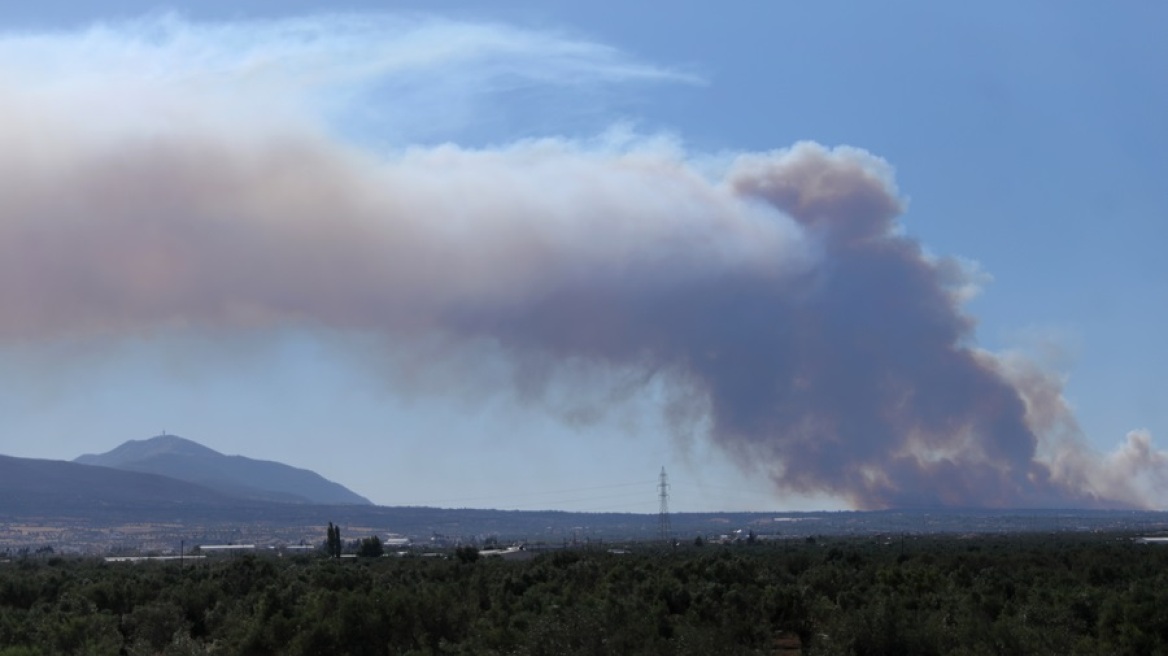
x: 663, y: 528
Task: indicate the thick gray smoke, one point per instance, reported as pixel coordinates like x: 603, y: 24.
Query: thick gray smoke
x: 775, y: 297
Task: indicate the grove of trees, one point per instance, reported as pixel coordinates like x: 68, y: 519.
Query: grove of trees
x: 1021, y: 594
x: 370, y: 547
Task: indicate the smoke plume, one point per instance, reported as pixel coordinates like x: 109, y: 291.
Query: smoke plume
x: 163, y: 176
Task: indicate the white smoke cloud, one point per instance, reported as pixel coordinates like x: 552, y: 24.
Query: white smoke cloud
x: 164, y: 175
x: 407, y: 76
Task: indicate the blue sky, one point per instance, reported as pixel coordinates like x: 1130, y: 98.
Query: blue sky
x: 1026, y: 140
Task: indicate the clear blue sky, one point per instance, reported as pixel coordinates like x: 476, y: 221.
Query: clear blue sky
x: 1028, y: 138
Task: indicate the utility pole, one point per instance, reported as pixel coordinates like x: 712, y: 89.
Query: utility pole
x: 663, y: 528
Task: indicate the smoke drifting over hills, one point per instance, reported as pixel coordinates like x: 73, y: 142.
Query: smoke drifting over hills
x: 200, y: 184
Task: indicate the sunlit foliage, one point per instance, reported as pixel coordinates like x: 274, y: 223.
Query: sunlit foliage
x: 1018, y: 594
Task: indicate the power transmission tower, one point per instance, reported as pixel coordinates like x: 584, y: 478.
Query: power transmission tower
x: 666, y: 532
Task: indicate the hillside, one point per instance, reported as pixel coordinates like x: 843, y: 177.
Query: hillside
x: 50, y: 486
x: 236, y: 476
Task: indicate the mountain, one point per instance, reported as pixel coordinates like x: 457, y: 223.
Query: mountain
x: 48, y: 485
x: 235, y: 476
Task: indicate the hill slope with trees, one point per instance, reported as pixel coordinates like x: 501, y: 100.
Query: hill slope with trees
x: 237, y: 476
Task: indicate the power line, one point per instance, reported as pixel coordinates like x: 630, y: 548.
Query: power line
x: 528, y: 495
x: 562, y: 499
x: 623, y: 507
x: 537, y: 506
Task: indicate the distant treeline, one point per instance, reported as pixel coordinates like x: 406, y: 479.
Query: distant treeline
x: 1024, y: 594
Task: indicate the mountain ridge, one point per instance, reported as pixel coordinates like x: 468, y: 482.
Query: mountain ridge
x: 235, y: 475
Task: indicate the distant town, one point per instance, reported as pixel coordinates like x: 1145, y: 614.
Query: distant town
x: 415, y: 530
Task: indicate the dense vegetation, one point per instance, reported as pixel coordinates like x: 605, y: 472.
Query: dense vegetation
x: 1008, y: 595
